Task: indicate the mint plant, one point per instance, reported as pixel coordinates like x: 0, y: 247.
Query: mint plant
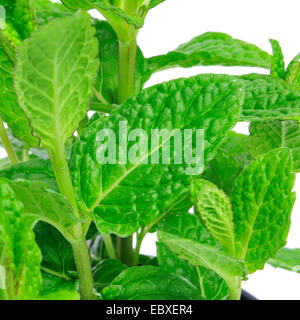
x: 76, y: 190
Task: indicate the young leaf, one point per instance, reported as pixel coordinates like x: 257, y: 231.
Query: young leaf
x: 230, y: 160
x: 33, y: 170
x: 277, y: 65
x: 189, y: 226
x: 106, y: 271
x: 19, y: 254
x: 56, y: 251
x: 269, y: 98
x: 54, y: 77
x: 150, y: 283
x: 108, y: 76
x: 292, y: 74
x: 10, y: 110
x: 212, y: 48
x: 288, y: 259
x: 210, y: 102
x: 46, y: 204
x: 272, y: 134
x: 206, y: 256
x: 214, y: 208
x: 262, y: 202
x: 154, y: 3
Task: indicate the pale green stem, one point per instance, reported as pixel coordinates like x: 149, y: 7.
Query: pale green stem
x: 235, y: 288
x: 7, y: 145
x: 139, y: 241
x: 78, y: 243
x: 109, y: 246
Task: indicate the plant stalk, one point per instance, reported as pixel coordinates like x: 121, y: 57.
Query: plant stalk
x: 235, y: 288
x: 109, y: 246
x: 7, y: 145
x: 78, y: 243
x: 126, y: 89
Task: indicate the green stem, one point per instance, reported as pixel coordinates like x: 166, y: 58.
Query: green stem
x: 126, y: 89
x: 79, y: 246
x: 127, y: 61
x: 7, y: 145
x: 125, y: 252
x: 83, y: 266
x: 109, y: 246
x: 235, y: 288
x: 139, y: 241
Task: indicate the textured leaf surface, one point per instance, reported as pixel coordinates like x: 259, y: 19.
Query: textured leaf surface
x: 277, y: 65
x: 231, y: 158
x: 56, y: 251
x: 203, y: 255
x: 212, y: 48
x: 125, y: 197
x: 273, y: 134
x: 48, y: 205
x: 54, y: 77
x: 106, y: 271
x: 288, y: 259
x: 269, y: 98
x: 108, y: 77
x: 215, y: 211
x: 292, y: 74
x: 10, y: 110
x: 32, y: 170
x: 19, y: 254
x: 150, y: 283
x: 189, y: 226
x: 262, y: 202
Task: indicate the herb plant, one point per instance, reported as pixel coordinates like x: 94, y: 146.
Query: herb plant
x: 67, y: 222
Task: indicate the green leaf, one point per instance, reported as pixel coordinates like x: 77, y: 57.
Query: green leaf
x: 55, y: 72
x: 126, y: 197
x: 19, y: 254
x: 288, y: 259
x: 10, y: 110
x: 154, y: 3
x: 203, y: 255
x: 212, y: 48
x: 46, y: 11
x: 33, y: 170
x: 46, y: 204
x: 292, y: 74
x: 189, y: 226
x: 55, y: 288
x: 272, y: 134
x: 230, y: 160
x: 214, y: 208
x: 106, y: 271
x: 150, y: 283
x: 57, y: 254
x: 262, y: 202
x: 108, y: 76
x: 269, y: 98
x: 277, y: 65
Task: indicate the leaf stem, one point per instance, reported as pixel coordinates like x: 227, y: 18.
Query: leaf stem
x: 235, y: 288
x: 7, y: 145
x: 109, y: 246
x: 127, y: 61
x: 139, y: 241
x: 124, y: 249
x: 78, y: 242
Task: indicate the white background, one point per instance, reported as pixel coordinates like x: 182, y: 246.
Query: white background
x: 177, y: 21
